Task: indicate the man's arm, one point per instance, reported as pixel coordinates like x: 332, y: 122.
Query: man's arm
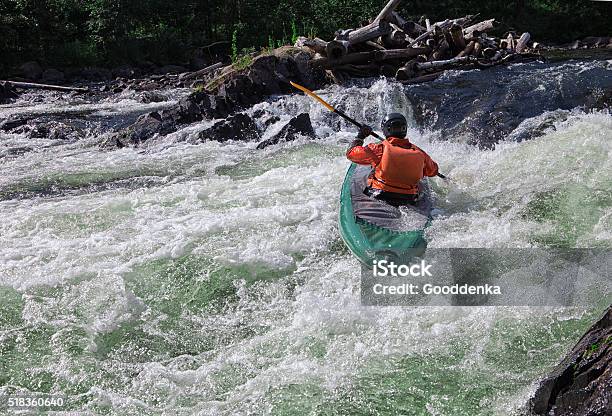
x: 430, y: 167
x: 364, y: 155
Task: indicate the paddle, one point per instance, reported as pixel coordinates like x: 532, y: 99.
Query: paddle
x: 339, y: 112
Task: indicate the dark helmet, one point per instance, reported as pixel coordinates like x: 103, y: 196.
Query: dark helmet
x: 394, y: 125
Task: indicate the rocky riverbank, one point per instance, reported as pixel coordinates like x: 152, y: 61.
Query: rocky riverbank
x: 582, y: 382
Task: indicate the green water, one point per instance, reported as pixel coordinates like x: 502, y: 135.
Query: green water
x: 222, y: 286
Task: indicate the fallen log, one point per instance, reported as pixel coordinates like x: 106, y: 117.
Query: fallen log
x: 410, y: 28
x: 387, y: 10
x: 468, y: 49
x: 405, y: 53
x: 440, y: 64
x: 201, y: 72
x: 510, y: 42
x: 351, y: 58
x: 480, y: 27
x: 522, y: 42
x: 32, y: 85
x: 489, y: 53
x: 441, y: 51
x: 374, y: 45
x: 461, y: 21
x: 369, y: 32
x: 336, y: 49
x: 407, y: 71
x: 316, y: 44
x: 456, y: 34
x: 423, y: 78
x: 477, y: 49
x: 359, y: 70
x: 396, y: 39
x: 426, y: 34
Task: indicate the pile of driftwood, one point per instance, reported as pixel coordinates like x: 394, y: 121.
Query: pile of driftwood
x: 412, y: 52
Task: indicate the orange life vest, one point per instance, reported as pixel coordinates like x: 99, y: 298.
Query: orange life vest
x: 400, y: 168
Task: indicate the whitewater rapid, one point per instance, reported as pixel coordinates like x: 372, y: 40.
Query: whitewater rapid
x: 210, y: 279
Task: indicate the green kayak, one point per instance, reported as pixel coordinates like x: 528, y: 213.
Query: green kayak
x: 373, y: 229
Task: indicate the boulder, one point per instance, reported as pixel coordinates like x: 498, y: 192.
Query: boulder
x: 145, y: 127
x: 582, y: 383
x: 14, y: 121
x: 237, y: 127
x: 151, y: 97
x: 297, y: 126
x: 237, y: 90
x: 6, y: 93
x: 31, y: 70
x: 54, y: 130
x: 52, y: 76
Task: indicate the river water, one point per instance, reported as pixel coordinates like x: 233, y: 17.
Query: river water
x: 211, y: 279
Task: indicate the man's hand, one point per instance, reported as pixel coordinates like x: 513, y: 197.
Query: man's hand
x: 364, y: 131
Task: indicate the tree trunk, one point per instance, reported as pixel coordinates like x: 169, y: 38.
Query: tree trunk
x: 468, y: 49
x: 522, y: 42
x: 477, y: 49
x: 336, y: 49
x: 316, y: 44
x: 31, y: 85
x: 407, y: 71
x: 441, y: 51
x: 395, y: 40
x: 440, y: 64
x: 423, y: 78
x: 351, y: 58
x: 371, y: 31
x: 405, y: 53
x: 387, y: 10
x: 443, y: 25
x: 201, y: 72
x: 458, y: 41
x: 412, y: 29
x: 510, y: 42
x: 480, y: 27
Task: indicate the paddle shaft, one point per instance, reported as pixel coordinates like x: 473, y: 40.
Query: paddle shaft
x: 339, y: 112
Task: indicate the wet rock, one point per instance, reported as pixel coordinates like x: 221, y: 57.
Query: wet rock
x: 52, y: 75
x: 31, y: 70
x: 145, y: 127
x: 237, y: 127
x: 297, y: 126
x: 265, y: 118
x: 54, y: 130
x: 237, y: 90
x: 14, y: 121
x: 151, y: 97
x: 6, y: 93
x: 241, y: 91
x: 582, y: 383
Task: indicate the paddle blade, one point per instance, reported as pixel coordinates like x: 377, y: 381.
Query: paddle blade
x: 313, y: 95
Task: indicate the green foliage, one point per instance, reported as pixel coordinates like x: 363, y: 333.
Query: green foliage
x: 235, y: 45
x: 107, y: 32
x: 294, y: 32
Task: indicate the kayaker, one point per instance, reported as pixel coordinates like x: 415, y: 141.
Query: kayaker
x: 398, y: 165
